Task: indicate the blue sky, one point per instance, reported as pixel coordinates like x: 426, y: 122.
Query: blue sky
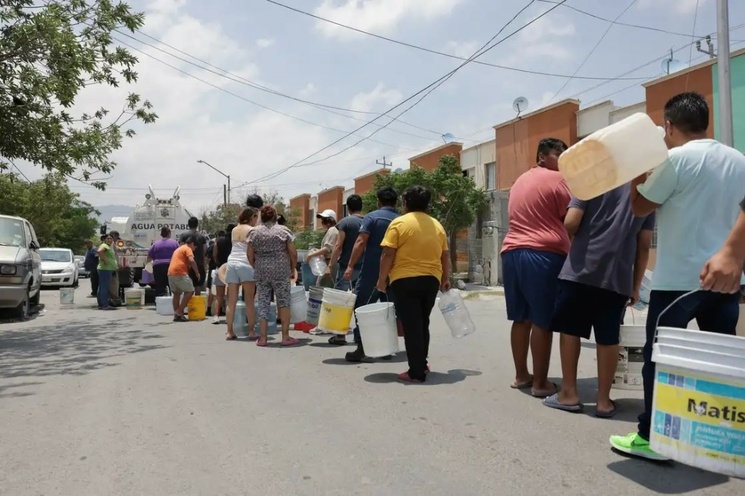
x: 301, y: 57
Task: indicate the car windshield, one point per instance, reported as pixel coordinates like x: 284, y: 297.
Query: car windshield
x: 11, y: 232
x: 54, y: 255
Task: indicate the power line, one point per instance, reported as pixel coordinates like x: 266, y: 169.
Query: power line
x: 589, y: 54
x: 252, y: 84
x: 300, y: 119
x: 424, y: 91
x: 612, y: 21
x: 436, y: 52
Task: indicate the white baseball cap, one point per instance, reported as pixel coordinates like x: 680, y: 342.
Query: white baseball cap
x: 327, y: 214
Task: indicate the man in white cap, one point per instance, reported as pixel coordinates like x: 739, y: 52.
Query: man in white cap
x: 328, y: 222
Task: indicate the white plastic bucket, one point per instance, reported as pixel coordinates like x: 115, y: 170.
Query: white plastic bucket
x: 630, y: 358
x: 698, y: 415
x: 336, y: 311
x: 298, y: 305
x: 315, y: 299
x: 67, y: 296
x: 134, y: 298
x: 377, y: 322
x: 164, y: 305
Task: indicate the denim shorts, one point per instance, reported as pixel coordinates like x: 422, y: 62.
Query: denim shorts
x: 238, y: 273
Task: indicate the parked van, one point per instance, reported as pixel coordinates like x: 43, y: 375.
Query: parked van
x: 20, y: 266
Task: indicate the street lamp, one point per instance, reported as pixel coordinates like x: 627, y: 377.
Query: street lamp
x: 226, y: 195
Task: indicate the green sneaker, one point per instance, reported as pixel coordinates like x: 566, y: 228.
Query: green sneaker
x: 635, y: 445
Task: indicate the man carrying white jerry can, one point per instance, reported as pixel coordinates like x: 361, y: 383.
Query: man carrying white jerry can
x: 602, y: 275
x: 695, y: 195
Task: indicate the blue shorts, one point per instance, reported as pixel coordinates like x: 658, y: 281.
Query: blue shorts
x: 530, y: 280
x: 238, y: 273
x: 581, y: 309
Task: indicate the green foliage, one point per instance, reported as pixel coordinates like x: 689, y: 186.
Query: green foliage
x: 306, y: 239
x: 49, y: 52
x: 59, y: 217
x: 456, y: 201
x: 218, y: 219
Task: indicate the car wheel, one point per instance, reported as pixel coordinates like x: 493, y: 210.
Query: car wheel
x: 75, y: 283
x: 36, y: 298
x: 23, y: 310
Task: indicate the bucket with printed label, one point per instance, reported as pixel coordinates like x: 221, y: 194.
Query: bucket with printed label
x: 698, y: 414
x: 630, y: 358
x: 315, y: 300
x: 336, y: 311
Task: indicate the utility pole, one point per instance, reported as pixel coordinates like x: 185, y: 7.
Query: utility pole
x: 383, y: 163
x: 726, y: 133
x: 224, y: 195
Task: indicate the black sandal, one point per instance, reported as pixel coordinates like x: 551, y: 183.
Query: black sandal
x: 338, y: 340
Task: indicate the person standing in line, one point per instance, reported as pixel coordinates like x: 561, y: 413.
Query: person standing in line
x: 220, y: 253
x: 416, y: 260
x: 367, y: 248
x: 601, y: 276
x: 160, y: 254
x: 199, y: 276
x: 272, y: 253
x: 695, y: 196
x: 349, y: 229
x: 240, y: 273
x: 91, y: 265
x: 722, y: 273
x: 328, y: 222
x: 106, y: 267
x: 179, y: 280
x: 254, y: 201
x: 533, y: 253
x: 115, y: 289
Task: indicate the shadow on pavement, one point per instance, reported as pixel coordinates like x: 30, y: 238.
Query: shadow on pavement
x: 76, y: 348
x: 433, y: 378
x: 666, y: 477
x: 399, y: 357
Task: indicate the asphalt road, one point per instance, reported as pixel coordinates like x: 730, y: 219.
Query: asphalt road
x: 129, y: 403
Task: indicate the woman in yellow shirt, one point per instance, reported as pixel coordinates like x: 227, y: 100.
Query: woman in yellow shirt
x: 416, y: 260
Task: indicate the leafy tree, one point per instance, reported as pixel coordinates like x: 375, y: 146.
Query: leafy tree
x: 59, y: 217
x: 456, y: 201
x: 222, y: 215
x: 49, y: 52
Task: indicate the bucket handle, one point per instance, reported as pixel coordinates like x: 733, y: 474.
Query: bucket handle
x: 671, y: 305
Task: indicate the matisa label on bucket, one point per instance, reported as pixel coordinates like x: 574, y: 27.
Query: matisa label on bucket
x: 700, y: 416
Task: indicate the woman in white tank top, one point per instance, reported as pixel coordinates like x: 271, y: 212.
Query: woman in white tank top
x: 239, y: 273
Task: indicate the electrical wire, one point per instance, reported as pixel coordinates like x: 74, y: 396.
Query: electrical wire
x: 300, y: 119
x: 436, y: 52
x: 587, y: 57
x: 693, y: 41
x: 424, y: 92
x: 252, y: 84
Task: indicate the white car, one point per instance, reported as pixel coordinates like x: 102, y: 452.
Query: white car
x: 58, y: 267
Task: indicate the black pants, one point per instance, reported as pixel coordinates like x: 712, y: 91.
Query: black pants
x: 414, y: 298
x: 160, y: 274
x: 94, y: 281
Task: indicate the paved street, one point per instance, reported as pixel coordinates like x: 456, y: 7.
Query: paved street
x: 128, y: 403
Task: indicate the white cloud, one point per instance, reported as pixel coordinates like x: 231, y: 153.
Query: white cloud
x: 682, y: 7
x: 546, y: 38
x: 264, y: 42
x: 462, y: 49
x: 378, y: 16
x: 378, y: 97
x: 244, y: 142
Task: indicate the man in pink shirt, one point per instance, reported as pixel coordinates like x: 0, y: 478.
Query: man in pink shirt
x: 533, y: 254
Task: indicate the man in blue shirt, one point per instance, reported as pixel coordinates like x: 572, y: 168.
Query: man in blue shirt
x: 695, y: 195
x: 371, y: 234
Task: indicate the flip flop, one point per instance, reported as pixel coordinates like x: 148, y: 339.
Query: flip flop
x: 607, y: 415
x: 253, y: 338
x: 553, y: 402
x: 522, y: 385
x: 231, y: 338
x: 289, y: 342
x: 543, y: 394
x: 259, y: 343
x: 338, y: 340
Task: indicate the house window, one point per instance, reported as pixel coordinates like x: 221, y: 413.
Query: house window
x: 490, y: 175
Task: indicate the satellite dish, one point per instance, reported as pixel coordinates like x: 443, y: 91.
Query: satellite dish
x: 520, y: 104
x: 671, y: 65
x: 398, y: 171
x: 448, y: 138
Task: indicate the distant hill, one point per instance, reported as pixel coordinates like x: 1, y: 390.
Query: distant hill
x: 109, y: 211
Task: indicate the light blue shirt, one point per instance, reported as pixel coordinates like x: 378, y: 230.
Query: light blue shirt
x: 698, y: 190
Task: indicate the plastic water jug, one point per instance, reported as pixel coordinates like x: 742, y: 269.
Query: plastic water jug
x: 318, y: 266
x: 456, y: 314
x: 613, y: 156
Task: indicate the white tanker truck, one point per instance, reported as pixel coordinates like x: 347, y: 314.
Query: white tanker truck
x: 142, y: 228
